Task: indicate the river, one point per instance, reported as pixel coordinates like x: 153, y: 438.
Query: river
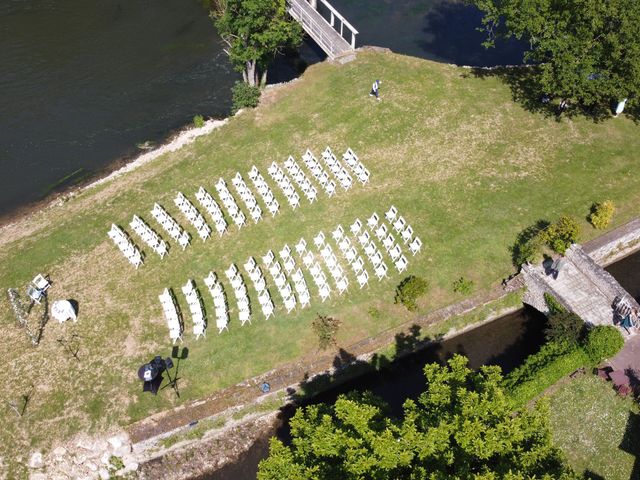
x: 84, y: 82
x: 506, y: 341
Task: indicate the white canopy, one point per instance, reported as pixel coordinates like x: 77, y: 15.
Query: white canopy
x: 62, y: 310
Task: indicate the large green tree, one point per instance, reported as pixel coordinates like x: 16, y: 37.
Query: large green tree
x: 462, y: 427
x: 588, y: 50
x: 255, y: 31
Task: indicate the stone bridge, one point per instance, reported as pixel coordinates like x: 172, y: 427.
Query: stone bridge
x: 581, y: 286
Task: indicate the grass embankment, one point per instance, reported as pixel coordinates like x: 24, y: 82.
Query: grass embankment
x: 466, y: 166
x: 598, y: 430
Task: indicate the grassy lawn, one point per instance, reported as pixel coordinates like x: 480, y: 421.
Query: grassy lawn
x: 598, y: 430
x: 466, y: 166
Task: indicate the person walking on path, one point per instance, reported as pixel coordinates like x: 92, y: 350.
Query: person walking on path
x: 375, y: 90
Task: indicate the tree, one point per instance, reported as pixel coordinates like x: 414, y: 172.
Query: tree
x: 587, y: 50
x: 255, y: 31
x: 462, y: 427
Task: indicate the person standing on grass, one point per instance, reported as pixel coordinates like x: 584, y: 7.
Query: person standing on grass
x: 374, y: 89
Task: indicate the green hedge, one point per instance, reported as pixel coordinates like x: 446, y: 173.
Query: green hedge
x: 557, y: 359
x: 548, y: 375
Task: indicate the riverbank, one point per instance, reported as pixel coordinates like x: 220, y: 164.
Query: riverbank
x: 465, y: 166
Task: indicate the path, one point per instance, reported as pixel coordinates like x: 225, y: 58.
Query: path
x: 582, y: 286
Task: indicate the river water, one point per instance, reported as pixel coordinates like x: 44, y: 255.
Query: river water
x: 84, y: 82
x: 506, y: 341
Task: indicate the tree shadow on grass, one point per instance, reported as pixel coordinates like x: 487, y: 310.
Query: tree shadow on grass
x: 631, y: 442
x: 527, y: 91
x: 347, y: 367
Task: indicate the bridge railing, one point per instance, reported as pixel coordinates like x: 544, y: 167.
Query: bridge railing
x: 343, y: 22
x: 313, y: 27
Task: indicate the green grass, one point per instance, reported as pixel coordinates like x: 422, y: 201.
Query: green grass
x: 466, y: 166
x: 598, y: 430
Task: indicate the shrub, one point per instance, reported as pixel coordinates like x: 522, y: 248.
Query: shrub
x: 326, y: 328
x: 409, y: 290
x: 565, y: 327
x: 463, y: 285
x: 603, y: 341
x: 244, y: 95
x: 535, y: 362
x: 198, y: 121
x: 561, y: 234
x: 553, y: 304
x: 601, y: 214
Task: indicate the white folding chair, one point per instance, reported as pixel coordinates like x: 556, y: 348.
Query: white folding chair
x: 401, y: 264
x: 388, y: 242
x: 356, y: 226
x: 364, y: 238
x: 407, y: 234
x: 363, y: 278
x: 308, y: 259
x: 381, y: 271
x: 301, y: 246
x: 338, y: 233
x: 325, y: 292
x: 342, y: 285
x: 399, y: 224
x: 372, y: 222
x: 391, y: 214
x: 318, y: 240
x: 415, y: 245
x: 395, y: 252
x: 268, y: 258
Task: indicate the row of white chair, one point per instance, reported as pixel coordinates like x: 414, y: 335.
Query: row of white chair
x: 301, y: 179
x: 337, y: 169
x: 335, y: 269
x: 299, y: 283
x: 150, y: 237
x: 240, y: 292
x: 322, y: 177
x: 219, y: 301
x: 403, y: 229
x: 264, y: 190
x: 247, y: 197
x: 356, y: 166
x: 195, y: 306
x: 351, y: 255
x: 171, y: 314
x: 214, y: 210
x: 170, y: 226
x: 126, y: 246
x: 280, y: 279
x: 230, y: 204
x: 260, y: 285
x: 285, y: 185
x: 192, y: 214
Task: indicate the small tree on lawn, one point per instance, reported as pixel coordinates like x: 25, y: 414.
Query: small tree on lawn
x: 409, y: 290
x: 326, y: 328
x: 255, y: 31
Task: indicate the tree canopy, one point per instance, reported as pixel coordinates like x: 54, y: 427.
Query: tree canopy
x: 255, y: 31
x: 588, y: 50
x: 462, y: 427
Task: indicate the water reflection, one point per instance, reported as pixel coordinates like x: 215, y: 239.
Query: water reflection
x: 442, y: 30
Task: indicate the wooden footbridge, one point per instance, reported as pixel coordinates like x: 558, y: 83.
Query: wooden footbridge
x: 329, y: 33
x: 580, y: 285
